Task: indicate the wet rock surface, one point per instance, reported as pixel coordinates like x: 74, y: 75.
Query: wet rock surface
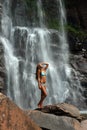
x: 2, y: 70
x: 79, y: 64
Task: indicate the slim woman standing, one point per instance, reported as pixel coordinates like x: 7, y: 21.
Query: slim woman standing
x: 41, y: 79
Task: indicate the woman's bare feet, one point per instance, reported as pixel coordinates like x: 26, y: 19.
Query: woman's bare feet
x: 40, y: 105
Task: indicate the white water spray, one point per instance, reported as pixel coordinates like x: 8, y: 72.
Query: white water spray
x: 12, y: 67
x: 40, y: 14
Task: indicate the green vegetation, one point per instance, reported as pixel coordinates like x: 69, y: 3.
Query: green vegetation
x: 31, y: 4
x: 53, y: 24
x: 77, y: 32
x: 31, y: 9
x: 52, y: 20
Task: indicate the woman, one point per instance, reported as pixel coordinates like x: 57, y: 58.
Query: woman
x: 41, y: 78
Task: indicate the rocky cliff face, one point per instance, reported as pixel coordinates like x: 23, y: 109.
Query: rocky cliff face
x: 77, y: 23
x: 77, y: 19
x: 2, y: 62
x: 77, y: 13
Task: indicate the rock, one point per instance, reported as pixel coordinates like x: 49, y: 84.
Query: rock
x: 0, y: 14
x: 19, y: 13
x: 13, y: 118
x: 3, y: 76
x: 79, y: 64
x: 84, y: 125
x: 2, y: 89
x: 19, y: 38
x: 58, y: 117
x: 77, y: 13
x: 62, y: 109
x: 53, y: 122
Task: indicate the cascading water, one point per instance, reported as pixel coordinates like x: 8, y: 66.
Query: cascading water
x: 40, y: 14
x: 24, y: 47
x: 12, y: 66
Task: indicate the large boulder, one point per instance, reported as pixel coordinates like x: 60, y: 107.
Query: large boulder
x: 62, y: 109
x: 53, y: 122
x: 58, y: 117
x: 84, y: 125
x: 13, y: 118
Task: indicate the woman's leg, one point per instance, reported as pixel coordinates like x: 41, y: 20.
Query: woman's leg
x: 43, y: 96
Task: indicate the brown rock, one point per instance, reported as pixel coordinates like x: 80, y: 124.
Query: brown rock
x: 61, y: 116
x: 62, y: 109
x: 83, y: 125
x: 13, y: 118
x: 53, y: 122
x: 56, y: 122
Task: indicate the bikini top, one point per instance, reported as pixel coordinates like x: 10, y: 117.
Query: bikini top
x: 43, y: 73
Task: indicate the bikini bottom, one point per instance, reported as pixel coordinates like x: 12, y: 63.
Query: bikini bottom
x: 43, y: 84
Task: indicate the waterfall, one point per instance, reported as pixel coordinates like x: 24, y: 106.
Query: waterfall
x: 12, y: 67
x: 40, y: 14
x: 6, y: 20
x: 24, y: 47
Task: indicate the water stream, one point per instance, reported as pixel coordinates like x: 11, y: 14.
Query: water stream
x: 24, y: 47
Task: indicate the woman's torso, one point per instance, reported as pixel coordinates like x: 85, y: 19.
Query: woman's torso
x: 43, y: 76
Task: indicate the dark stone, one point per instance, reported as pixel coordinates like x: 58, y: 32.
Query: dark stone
x: 3, y: 76
x: 77, y: 13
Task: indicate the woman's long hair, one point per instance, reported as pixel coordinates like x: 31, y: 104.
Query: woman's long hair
x: 37, y: 72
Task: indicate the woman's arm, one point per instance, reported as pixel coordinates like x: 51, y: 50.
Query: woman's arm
x: 39, y: 84
x: 44, y: 63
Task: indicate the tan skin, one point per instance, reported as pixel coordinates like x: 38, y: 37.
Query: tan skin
x: 41, y: 82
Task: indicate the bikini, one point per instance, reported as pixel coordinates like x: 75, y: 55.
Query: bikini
x: 43, y: 74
